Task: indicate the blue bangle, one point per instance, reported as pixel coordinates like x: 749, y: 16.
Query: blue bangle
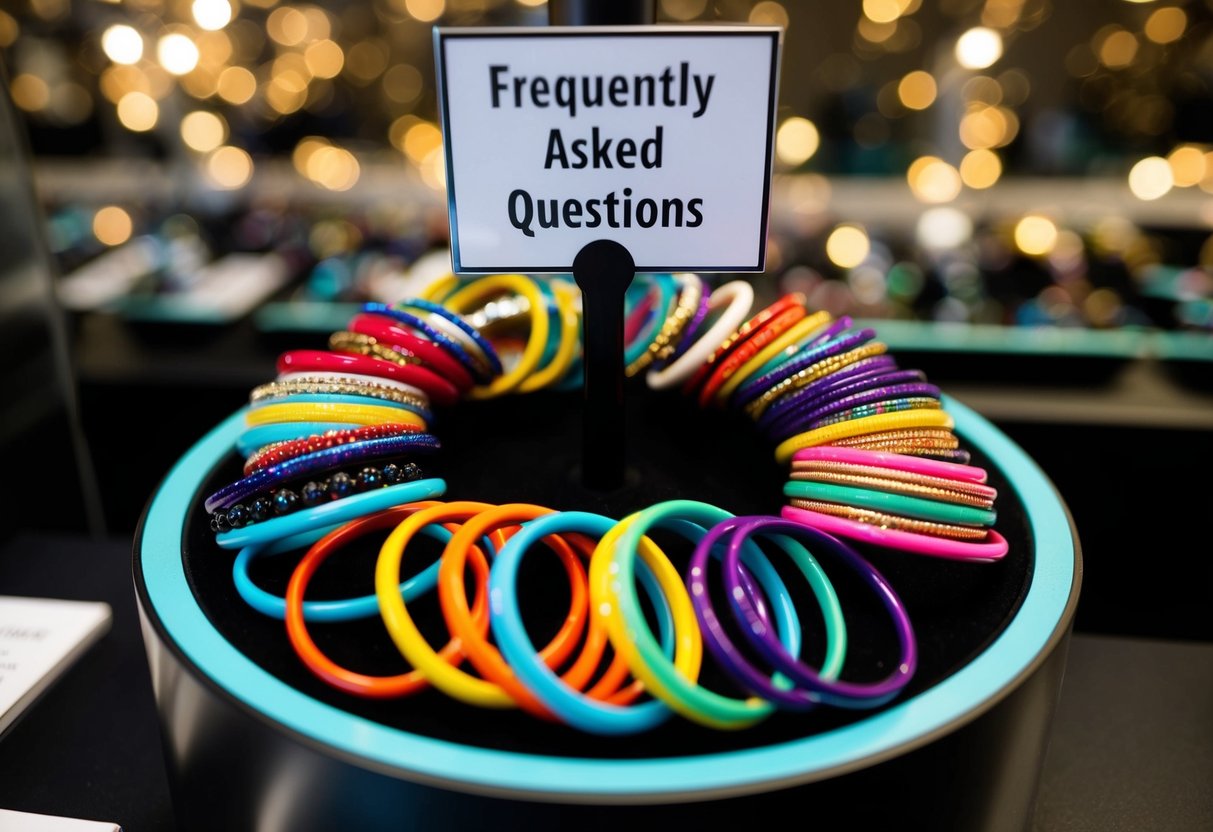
x: 667, y: 288
x: 344, y: 609
x: 328, y: 514
x: 490, y: 354
x: 480, y: 371
x: 569, y: 705
x: 342, y: 398
x: 254, y: 439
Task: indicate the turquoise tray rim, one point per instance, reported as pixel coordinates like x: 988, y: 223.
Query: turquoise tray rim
x: 1040, y: 623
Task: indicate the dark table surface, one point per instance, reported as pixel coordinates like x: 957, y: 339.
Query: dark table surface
x: 1132, y: 744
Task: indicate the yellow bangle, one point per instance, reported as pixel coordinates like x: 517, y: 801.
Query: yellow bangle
x: 858, y: 427
x: 804, y: 328
x: 688, y: 651
x: 438, y: 290
x: 353, y: 414
x: 570, y: 338
x: 475, y: 294
x: 400, y: 626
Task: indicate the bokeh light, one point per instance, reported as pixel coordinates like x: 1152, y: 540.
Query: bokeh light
x: 978, y: 48
x: 848, y: 246
x: 980, y: 169
x: 177, y: 53
x: 122, y: 44
x: 112, y: 226
x: 229, y: 167
x: 917, y: 90
x: 203, y: 131
x: 796, y: 141
x: 138, y: 112
x: 1151, y: 178
x: 1035, y: 235
x: 933, y: 180
x: 212, y: 15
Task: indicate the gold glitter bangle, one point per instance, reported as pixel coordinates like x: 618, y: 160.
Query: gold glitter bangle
x: 892, y: 521
x: 666, y: 340
x: 821, y: 466
x: 296, y: 387
x: 356, y: 342
x: 896, y: 406
x: 810, y: 374
x: 830, y: 434
x: 929, y: 438
x: 891, y: 486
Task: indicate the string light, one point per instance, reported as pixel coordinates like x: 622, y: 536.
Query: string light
x: 122, y: 44
x: 978, y: 48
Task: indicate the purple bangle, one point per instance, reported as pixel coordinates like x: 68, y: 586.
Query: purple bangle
x: 868, y: 374
x: 805, y: 358
x: 479, y: 371
x: 691, y: 333
x: 327, y: 459
x: 831, y: 332
x: 861, y: 393
x: 881, y: 405
x: 726, y: 654
x: 841, y: 694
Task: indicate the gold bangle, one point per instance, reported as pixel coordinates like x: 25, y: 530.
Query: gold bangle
x: 891, y: 521
x: 294, y: 387
x: 666, y: 340
x: 860, y: 427
x: 356, y: 342
x: 892, y: 486
x: 811, y: 374
x: 818, y: 467
x: 915, y: 441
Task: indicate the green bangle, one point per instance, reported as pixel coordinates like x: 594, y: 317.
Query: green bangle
x: 899, y: 504
x: 690, y: 519
x: 667, y: 301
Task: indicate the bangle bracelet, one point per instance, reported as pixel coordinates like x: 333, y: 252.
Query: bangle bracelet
x: 896, y: 462
x: 667, y: 300
x: 994, y: 547
x: 568, y: 704
x: 375, y: 687
x: 408, y: 639
x: 897, y: 504
x: 807, y: 364
x: 481, y: 344
x: 805, y: 329
x: 947, y: 491
x: 486, y: 658
x: 479, y: 369
x: 722, y: 647
x: 874, y: 408
x: 566, y: 349
x: 325, y: 459
x: 735, y: 298
x: 483, y: 290
x: 859, y: 427
x: 636, y: 316
x: 322, y: 377
x: 254, y: 439
x: 893, y: 521
x: 832, y: 331
x: 840, y: 693
x: 356, y: 399
x: 434, y: 386
x: 354, y: 414
x: 282, y: 451
x: 740, y: 335
x: 932, y: 443
x: 810, y: 374
x: 281, y: 389
x: 671, y: 329
x: 691, y: 333
x: 804, y: 405
x: 630, y: 633
x: 746, y: 349
x: 357, y: 343
x: 327, y: 514
x: 386, y: 331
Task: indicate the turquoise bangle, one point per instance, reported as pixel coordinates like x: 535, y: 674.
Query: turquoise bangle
x: 667, y: 288
x: 256, y: 438
x: 689, y: 519
x: 898, y: 504
x: 327, y: 514
x: 569, y: 705
x: 342, y: 398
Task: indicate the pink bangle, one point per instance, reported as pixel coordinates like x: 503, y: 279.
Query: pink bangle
x: 439, y: 389
x: 991, y: 550
x: 898, y: 462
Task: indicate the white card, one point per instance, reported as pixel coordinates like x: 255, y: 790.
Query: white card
x: 39, y: 639
x: 25, y: 822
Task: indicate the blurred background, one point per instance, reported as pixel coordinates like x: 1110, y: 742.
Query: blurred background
x: 1020, y: 190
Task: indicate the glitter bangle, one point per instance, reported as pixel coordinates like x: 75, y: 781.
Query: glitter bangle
x: 935, y: 488
x: 859, y: 427
x: 806, y: 361
x: 356, y: 343
x: 691, y: 333
x: 873, y: 408
x: 386, y: 331
x: 481, y: 343
x: 739, y: 336
x: 892, y: 521
x: 436, y: 387
x: 924, y: 467
x: 358, y: 414
x: 485, y: 289
x: 735, y: 298
x: 282, y: 389
x: 804, y: 330
x: 282, y: 451
x: 663, y: 343
x: 745, y: 350
x: 868, y: 374
x: 885, y: 502
x: 477, y: 368
x: 994, y: 547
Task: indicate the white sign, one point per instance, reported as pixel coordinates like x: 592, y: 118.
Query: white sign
x: 656, y: 137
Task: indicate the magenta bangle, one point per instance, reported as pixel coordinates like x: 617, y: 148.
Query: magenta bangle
x: 301, y: 466
x: 800, y: 361
x: 838, y: 693
x: 809, y: 407
x: 898, y: 462
x: 993, y: 548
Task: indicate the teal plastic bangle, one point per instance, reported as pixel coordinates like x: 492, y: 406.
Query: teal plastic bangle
x: 691, y: 519
x: 569, y: 705
x: 667, y: 288
x: 898, y: 504
x: 254, y: 439
x: 327, y: 514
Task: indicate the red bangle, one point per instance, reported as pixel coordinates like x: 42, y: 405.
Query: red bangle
x: 282, y: 451
x: 722, y: 352
x: 360, y: 684
x: 392, y: 334
x: 747, y: 348
x: 432, y: 384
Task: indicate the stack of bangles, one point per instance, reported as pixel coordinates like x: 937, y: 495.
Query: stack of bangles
x: 334, y: 447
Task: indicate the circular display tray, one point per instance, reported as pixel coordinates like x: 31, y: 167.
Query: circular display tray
x: 987, y: 634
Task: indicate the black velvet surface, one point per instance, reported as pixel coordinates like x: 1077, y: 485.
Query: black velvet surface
x: 526, y: 449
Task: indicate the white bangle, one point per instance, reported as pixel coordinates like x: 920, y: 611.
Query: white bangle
x: 739, y: 295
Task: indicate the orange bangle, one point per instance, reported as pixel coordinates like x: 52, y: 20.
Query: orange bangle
x: 484, y: 656
x: 747, y: 349
x: 360, y: 684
